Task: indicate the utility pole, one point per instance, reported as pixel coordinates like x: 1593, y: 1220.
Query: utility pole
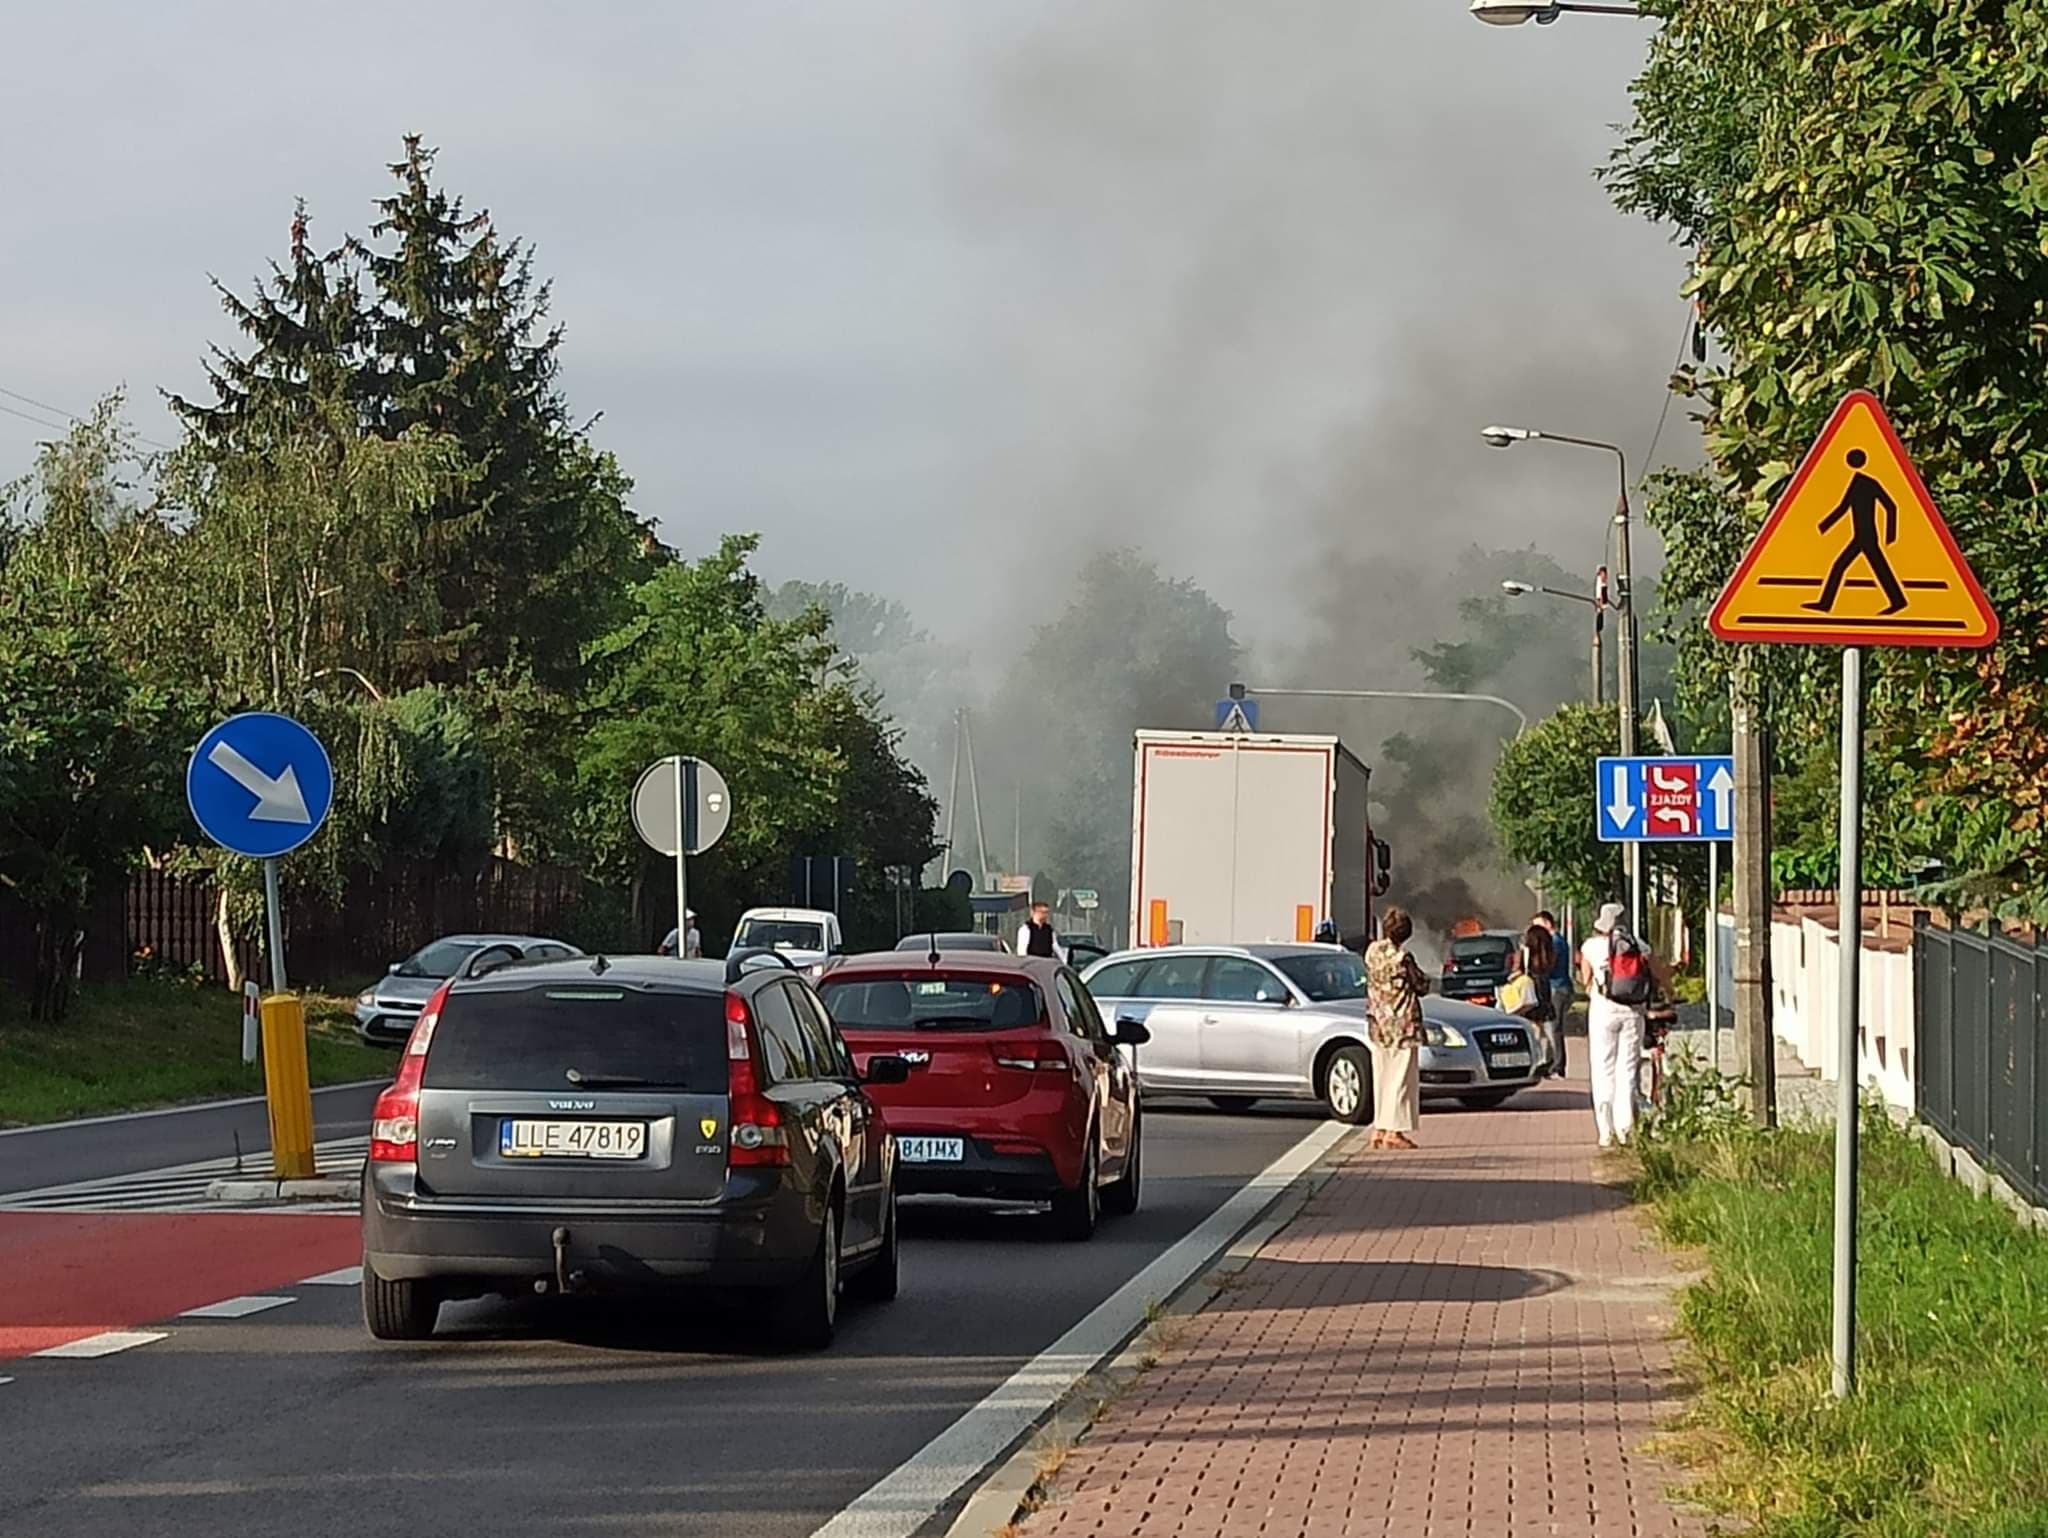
x: 1626, y: 679
x: 1755, y: 1049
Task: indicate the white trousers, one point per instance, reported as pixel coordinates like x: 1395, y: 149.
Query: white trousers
x: 1614, y: 1043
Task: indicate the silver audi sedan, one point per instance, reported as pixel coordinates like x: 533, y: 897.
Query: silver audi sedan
x: 1235, y: 1024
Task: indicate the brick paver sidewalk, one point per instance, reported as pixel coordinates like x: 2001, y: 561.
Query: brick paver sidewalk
x: 1468, y: 1339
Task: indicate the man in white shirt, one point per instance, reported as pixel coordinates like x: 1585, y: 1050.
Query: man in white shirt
x: 1614, y: 1033
x: 1036, y: 937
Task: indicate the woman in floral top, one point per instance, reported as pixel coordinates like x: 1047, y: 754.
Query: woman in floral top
x: 1394, y: 986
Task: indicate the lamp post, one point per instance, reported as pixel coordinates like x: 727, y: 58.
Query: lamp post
x: 1239, y: 691
x: 1597, y: 599
x: 1513, y: 13
x: 1624, y: 603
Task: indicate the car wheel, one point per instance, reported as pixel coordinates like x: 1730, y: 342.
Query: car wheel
x: 1236, y: 1105
x: 1122, y: 1196
x: 876, y: 1282
x: 808, y: 1310
x: 1347, y: 1085
x: 1075, y: 1213
x: 1487, y: 1101
x: 400, y: 1310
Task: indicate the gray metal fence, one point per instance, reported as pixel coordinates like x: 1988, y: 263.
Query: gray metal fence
x: 1981, y: 1021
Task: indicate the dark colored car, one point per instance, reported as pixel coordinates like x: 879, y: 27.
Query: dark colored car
x: 1476, y: 965
x: 961, y: 940
x: 631, y: 1124
x: 1016, y: 1087
x: 1083, y: 951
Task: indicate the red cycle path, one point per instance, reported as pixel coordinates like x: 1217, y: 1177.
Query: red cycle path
x: 67, y: 1275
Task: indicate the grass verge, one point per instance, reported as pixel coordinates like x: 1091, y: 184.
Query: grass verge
x: 130, y: 1046
x: 1948, y: 1432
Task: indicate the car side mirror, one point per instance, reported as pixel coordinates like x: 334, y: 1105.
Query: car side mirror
x: 392, y: 970
x: 1131, y: 1033
x: 886, y: 1068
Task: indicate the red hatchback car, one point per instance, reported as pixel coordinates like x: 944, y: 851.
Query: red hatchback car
x: 1016, y: 1090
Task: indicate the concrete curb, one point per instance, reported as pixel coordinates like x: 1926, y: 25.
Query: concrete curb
x: 999, y: 1499
x: 321, y: 1188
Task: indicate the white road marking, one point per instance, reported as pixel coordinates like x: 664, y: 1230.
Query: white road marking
x: 901, y: 1502
x: 235, y: 1308
x: 106, y: 1343
x: 347, y: 1276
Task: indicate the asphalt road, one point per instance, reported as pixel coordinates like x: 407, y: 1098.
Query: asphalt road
x: 119, y: 1145
x: 580, y: 1419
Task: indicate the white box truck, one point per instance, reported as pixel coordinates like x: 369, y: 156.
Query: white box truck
x: 1238, y: 838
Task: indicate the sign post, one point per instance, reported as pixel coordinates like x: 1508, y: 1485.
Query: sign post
x: 260, y: 785
x: 1858, y: 473
x: 681, y: 806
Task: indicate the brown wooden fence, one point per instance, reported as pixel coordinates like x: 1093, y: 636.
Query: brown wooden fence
x: 385, y: 915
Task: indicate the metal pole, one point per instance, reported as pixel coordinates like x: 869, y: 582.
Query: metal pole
x: 974, y: 794
x: 1599, y: 664
x: 275, y: 914
x: 1714, y: 954
x: 682, y: 869
x: 952, y: 804
x: 1750, y: 869
x: 1627, y: 680
x: 1849, y: 931
x: 1520, y: 715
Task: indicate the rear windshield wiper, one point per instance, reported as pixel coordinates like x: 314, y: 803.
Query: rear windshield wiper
x: 619, y: 1081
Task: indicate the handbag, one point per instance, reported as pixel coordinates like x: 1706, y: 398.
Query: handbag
x: 1517, y: 995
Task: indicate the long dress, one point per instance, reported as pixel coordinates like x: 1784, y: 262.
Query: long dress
x: 1394, y: 988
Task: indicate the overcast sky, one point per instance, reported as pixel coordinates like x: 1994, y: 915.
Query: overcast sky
x: 916, y: 289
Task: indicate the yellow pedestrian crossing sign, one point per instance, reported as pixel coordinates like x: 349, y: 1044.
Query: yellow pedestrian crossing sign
x: 1854, y: 554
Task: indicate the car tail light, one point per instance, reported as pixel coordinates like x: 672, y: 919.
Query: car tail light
x: 395, y: 1123
x: 1047, y: 1055
x: 757, y: 1137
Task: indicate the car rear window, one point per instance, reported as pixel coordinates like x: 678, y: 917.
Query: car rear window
x: 1481, y: 948
x: 924, y: 1002
x: 530, y: 1039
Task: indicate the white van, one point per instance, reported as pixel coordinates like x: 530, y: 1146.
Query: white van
x: 807, y: 936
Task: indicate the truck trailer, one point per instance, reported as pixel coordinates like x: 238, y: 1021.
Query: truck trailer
x: 1241, y: 838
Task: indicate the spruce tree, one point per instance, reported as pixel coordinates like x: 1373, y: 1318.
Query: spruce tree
x: 305, y: 368
x: 531, y: 549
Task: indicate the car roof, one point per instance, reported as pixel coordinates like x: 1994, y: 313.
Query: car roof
x: 494, y: 939
x: 806, y: 915
x: 945, y: 937
x: 650, y: 974
x: 1040, y: 967
x: 1262, y: 952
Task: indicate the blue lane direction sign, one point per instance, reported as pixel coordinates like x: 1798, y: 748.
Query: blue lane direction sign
x: 259, y: 784
x: 1682, y: 799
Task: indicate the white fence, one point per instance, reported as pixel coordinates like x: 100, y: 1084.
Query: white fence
x: 1805, y: 984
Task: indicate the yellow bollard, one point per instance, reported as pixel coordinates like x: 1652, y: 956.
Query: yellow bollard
x: 287, y: 1086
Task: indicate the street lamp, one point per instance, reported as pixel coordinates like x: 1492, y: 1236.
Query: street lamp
x: 1507, y: 437
x: 1598, y: 600
x: 1510, y: 13
x: 1239, y: 691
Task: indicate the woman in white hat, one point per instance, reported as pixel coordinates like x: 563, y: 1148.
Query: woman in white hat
x: 1609, y: 961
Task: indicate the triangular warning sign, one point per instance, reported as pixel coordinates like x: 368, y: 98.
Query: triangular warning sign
x: 1854, y: 554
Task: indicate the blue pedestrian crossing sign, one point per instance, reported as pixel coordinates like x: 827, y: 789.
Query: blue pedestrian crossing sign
x: 1660, y: 800
x: 1237, y: 715
x: 259, y: 784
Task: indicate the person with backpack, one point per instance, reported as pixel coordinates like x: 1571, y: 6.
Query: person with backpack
x: 1614, y: 965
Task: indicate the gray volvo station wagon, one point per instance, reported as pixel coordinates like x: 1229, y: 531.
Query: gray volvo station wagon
x: 637, y: 1123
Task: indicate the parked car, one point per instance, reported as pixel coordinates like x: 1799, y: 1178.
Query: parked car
x: 1016, y: 1087
x: 386, y: 1010
x: 1476, y: 965
x: 1238, y: 1024
x: 592, y: 1125
x: 953, y: 940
